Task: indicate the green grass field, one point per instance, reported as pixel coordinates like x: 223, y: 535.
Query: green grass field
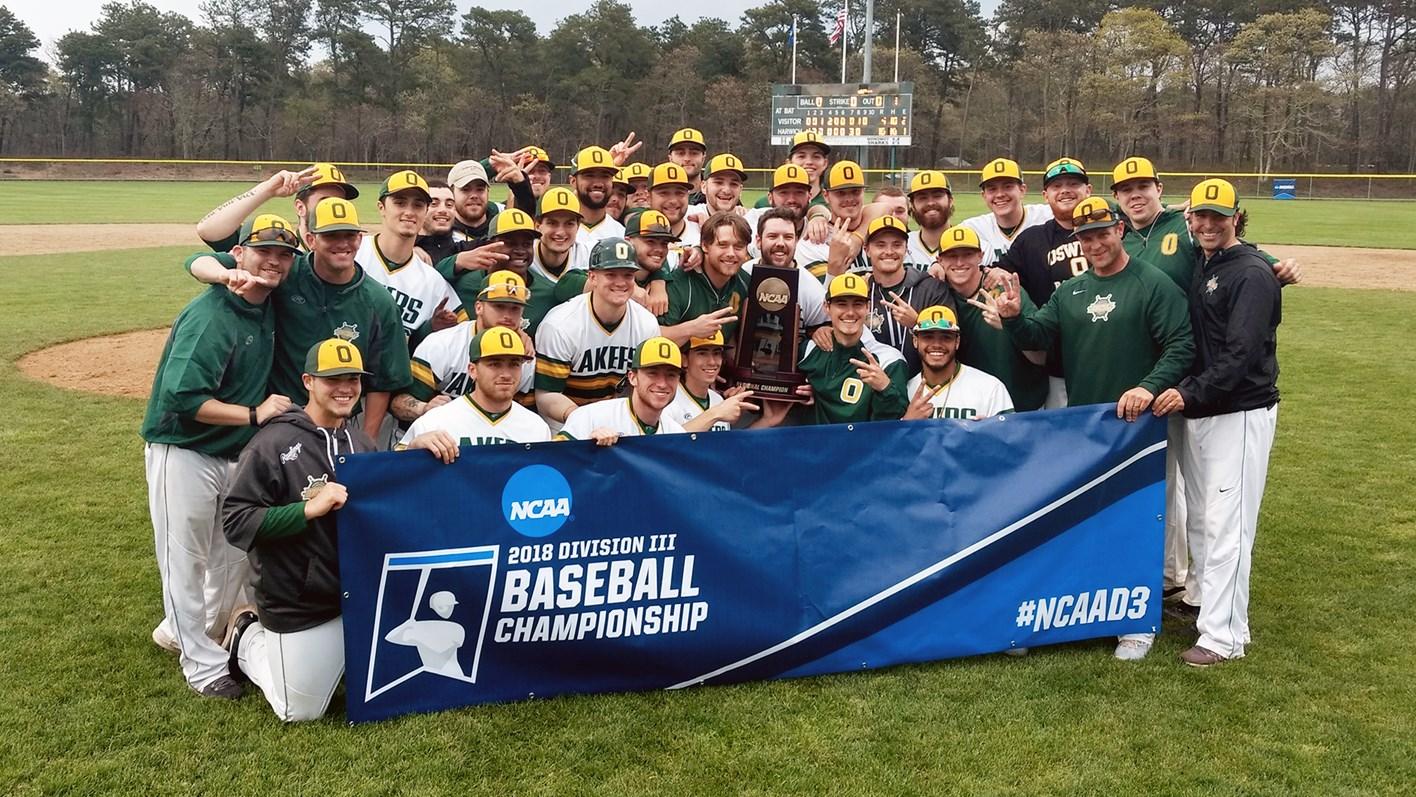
x: 1325, y: 703
x: 1321, y: 222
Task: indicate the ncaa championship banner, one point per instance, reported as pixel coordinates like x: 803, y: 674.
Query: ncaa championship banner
x: 665, y: 562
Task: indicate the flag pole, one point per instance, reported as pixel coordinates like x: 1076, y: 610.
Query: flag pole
x: 897, y: 46
x: 845, y: 36
x: 794, y: 48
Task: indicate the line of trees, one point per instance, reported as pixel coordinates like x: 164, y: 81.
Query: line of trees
x: 1203, y: 84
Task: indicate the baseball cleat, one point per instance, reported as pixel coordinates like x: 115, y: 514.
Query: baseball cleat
x: 1201, y: 657
x: 164, y: 640
x: 225, y: 688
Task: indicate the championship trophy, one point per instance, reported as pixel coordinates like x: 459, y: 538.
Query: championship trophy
x: 765, y: 360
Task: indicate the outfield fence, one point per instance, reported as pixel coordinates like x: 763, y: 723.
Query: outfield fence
x: 1308, y: 185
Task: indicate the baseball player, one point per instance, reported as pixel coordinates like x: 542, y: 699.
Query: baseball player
x: 584, y: 346
x: 489, y: 414
x: 892, y: 201
x: 592, y: 174
x: 858, y: 379
x: 945, y: 387
x: 697, y: 407
x: 280, y: 511
x: 425, y: 300
x: 540, y: 170
x: 722, y: 186
x: 636, y: 176
x: 709, y: 299
x: 1002, y: 187
x: 219, y: 228
x: 436, y: 241
x: 327, y: 295
x: 669, y: 187
x: 809, y: 153
x: 653, y: 379
x: 988, y: 348
x: 440, y: 365
x: 688, y: 150
x: 471, y: 191
x: 649, y: 232
x: 843, y: 185
x: 931, y: 204
x: 897, y: 291
x: 619, y: 196
x: 207, y: 399
x: 778, y: 233
x: 1122, y: 328
x: 1230, y: 404
x: 791, y: 189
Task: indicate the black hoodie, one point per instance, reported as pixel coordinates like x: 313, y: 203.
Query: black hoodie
x: 296, y: 561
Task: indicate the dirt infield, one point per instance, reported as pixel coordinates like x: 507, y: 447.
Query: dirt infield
x: 114, y: 365
x: 45, y: 239
x: 1350, y: 267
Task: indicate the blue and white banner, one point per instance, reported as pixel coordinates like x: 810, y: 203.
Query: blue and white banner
x: 665, y: 562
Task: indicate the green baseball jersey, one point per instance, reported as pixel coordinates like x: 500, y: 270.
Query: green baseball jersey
x: 841, y: 396
x: 1117, y: 332
x: 994, y: 352
x: 221, y: 347
x: 309, y: 310
x: 691, y: 294
x: 544, y: 295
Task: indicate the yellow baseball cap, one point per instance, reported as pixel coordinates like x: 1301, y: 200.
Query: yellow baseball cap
x: 504, y: 287
x: 687, y: 135
x: 334, y: 357
x: 959, y: 237
x: 558, y: 198
x: 725, y: 163
x: 634, y: 171
x: 657, y: 351
x: 809, y: 137
x: 496, y: 342
x: 790, y: 174
x: 406, y: 180
x: 329, y: 174
x: 929, y: 179
x: 512, y: 220
x: 668, y: 174
x: 1093, y: 213
x: 1000, y: 168
x: 843, y: 174
x: 541, y: 156
x: 268, y: 229
x: 593, y: 158
x: 1134, y: 168
x: 333, y: 214
x: 1063, y: 166
x: 1216, y: 195
x: 845, y: 286
x: 937, y: 318
x: 716, y: 339
x: 886, y: 223
x: 648, y: 224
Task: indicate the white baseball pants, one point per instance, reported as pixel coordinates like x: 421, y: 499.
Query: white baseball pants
x: 1177, y: 551
x: 298, y: 671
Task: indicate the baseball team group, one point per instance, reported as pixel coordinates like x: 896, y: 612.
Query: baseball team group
x: 608, y: 307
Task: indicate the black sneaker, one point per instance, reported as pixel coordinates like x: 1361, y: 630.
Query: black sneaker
x: 240, y: 620
x: 1172, y: 592
x: 1182, y: 611
x: 225, y: 688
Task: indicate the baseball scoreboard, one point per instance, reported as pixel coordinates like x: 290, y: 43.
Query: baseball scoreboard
x: 861, y: 115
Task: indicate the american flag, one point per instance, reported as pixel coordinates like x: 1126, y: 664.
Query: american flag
x: 840, y: 25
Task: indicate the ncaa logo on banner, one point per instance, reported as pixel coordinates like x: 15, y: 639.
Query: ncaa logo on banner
x: 536, y: 501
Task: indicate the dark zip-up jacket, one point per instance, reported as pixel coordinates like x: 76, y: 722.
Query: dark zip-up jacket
x: 296, y: 561
x: 1235, y: 309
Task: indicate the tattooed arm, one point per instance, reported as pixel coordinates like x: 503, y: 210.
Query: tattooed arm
x: 226, y: 218
x: 406, y: 408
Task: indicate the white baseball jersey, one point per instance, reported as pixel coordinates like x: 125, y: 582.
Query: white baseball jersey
x: 918, y: 253
x: 685, y: 408
x: 617, y: 416
x: 579, y: 259
x: 811, y: 296
x: 692, y: 235
x: 971, y: 394
x: 441, y: 360
x: 417, y: 287
x: 607, y: 228
x: 813, y: 257
x: 577, y: 356
x: 990, y: 235
x: 470, y: 425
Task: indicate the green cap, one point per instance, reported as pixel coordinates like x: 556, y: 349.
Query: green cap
x: 612, y: 253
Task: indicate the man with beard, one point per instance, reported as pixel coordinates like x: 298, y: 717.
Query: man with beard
x: 688, y: 150
x: 945, y: 387
x: 1002, y: 188
x: 653, y: 380
x: 488, y: 415
x: 778, y: 232
x: 698, y: 407
x: 207, y: 400
x: 473, y: 208
x: 722, y: 186
x: 707, y: 300
x: 931, y: 203
x: 988, y: 348
x: 327, y: 295
x: 897, y: 291
x: 791, y: 188
x: 437, y: 241
x: 592, y: 175
x: 281, y: 510
x: 668, y: 194
x: 440, y: 364
x: 425, y: 300
x: 584, y: 346
x: 844, y: 188
x: 857, y: 379
x: 219, y: 228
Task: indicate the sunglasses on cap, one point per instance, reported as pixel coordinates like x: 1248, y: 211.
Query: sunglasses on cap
x: 1100, y: 214
x: 273, y: 234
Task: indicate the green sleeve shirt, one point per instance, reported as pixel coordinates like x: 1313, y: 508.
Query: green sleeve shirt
x: 841, y: 396
x: 691, y: 294
x: 993, y: 352
x: 1127, y: 330
x: 221, y: 347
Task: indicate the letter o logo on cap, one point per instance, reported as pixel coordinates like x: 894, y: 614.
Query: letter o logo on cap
x: 665, y: 350
x: 517, y: 217
x: 337, y: 210
x: 622, y: 251
x: 999, y: 167
x: 1212, y: 191
x: 342, y: 353
x: 1132, y: 166
x: 507, y: 341
x: 848, y: 173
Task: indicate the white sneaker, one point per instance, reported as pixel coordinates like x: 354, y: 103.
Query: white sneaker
x: 1134, y: 647
x: 164, y: 640
x: 1016, y: 653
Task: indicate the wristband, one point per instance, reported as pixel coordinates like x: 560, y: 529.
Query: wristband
x: 253, y: 417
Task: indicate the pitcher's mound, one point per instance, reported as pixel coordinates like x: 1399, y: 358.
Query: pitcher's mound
x: 113, y: 365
